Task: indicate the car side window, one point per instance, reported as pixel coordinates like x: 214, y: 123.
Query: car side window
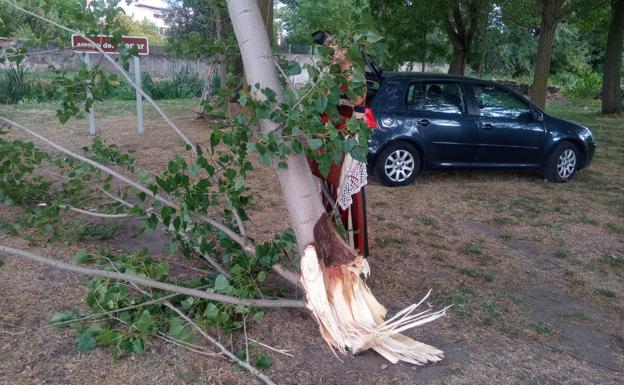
x: 494, y: 102
x: 444, y: 98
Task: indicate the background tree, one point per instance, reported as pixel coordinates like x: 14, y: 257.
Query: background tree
x: 412, y: 32
x: 461, y: 20
x: 141, y: 28
x: 302, y: 17
x: 612, y: 67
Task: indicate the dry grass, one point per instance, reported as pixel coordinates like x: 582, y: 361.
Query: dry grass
x: 534, y: 269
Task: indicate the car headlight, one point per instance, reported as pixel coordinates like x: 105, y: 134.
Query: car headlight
x: 585, y: 133
x: 388, y: 122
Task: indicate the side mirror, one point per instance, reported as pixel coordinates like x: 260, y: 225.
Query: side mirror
x: 537, y: 115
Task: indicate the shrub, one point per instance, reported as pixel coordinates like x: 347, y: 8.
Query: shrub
x: 587, y: 86
x: 16, y: 87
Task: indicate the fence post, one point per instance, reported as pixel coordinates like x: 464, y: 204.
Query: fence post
x: 91, y: 112
x: 139, y: 99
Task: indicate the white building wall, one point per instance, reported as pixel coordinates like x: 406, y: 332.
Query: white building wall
x: 151, y: 10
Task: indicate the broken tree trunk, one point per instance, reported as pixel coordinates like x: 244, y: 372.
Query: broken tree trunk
x: 349, y: 316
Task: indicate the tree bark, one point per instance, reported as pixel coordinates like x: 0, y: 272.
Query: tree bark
x: 461, y: 25
x: 266, y: 9
x: 219, y: 26
x: 424, y: 56
x: 551, y: 16
x: 611, y: 78
x: 458, y: 65
x: 300, y: 191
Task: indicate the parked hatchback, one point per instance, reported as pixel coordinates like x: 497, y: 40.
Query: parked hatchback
x: 433, y: 121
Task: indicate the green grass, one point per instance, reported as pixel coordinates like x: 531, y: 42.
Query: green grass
x: 543, y: 328
x: 510, y: 332
x: 560, y: 254
x: 619, y: 340
x: 472, y: 273
x: 577, y: 317
x: 607, y: 293
x: 427, y: 221
x: 614, y: 261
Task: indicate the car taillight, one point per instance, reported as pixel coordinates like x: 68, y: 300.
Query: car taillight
x: 369, y: 118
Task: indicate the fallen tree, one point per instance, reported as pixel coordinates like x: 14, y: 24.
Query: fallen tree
x: 202, y: 199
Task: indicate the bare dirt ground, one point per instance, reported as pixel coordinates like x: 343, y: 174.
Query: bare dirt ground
x: 535, y: 272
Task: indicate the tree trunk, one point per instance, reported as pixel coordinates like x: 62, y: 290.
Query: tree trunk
x: 548, y: 25
x: 458, y: 65
x: 219, y: 26
x: 266, y: 9
x: 301, y: 192
x: 611, y: 86
x: 484, y: 48
x: 424, y: 56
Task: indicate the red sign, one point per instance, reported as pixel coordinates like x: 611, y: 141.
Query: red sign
x: 80, y: 44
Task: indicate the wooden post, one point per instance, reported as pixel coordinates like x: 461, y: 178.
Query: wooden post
x: 91, y: 112
x: 139, y: 99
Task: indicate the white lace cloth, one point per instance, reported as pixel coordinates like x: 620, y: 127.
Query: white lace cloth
x: 353, y: 177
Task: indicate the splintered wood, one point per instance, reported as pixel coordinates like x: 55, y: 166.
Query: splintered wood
x: 349, y: 317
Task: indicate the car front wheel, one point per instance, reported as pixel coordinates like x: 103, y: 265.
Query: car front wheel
x: 562, y: 163
x: 398, y: 164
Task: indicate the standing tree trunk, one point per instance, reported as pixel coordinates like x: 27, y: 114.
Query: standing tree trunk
x: 553, y: 12
x: 348, y: 315
x: 219, y: 27
x: 461, y: 24
x: 266, y: 9
x: 301, y: 193
x: 484, y: 48
x: 424, y: 56
x: 458, y: 65
x: 611, y: 86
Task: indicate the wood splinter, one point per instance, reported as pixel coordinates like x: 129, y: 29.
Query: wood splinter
x: 349, y: 317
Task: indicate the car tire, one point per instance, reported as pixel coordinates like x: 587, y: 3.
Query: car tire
x: 398, y: 164
x: 562, y: 163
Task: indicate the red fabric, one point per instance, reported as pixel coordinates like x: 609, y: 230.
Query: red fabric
x: 358, y: 207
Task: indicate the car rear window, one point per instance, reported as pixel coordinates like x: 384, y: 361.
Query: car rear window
x: 435, y: 97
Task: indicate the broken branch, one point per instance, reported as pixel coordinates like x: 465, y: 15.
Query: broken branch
x: 9, y: 251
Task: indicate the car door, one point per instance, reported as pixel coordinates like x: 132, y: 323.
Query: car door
x: 508, y: 133
x: 437, y: 111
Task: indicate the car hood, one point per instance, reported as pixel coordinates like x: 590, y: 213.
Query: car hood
x: 567, y: 127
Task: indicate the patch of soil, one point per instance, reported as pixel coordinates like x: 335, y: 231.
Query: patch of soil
x: 484, y: 241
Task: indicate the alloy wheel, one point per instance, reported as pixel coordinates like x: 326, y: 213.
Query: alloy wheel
x: 399, y: 165
x: 566, y: 164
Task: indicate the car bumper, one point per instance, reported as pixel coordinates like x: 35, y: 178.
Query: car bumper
x: 589, y: 153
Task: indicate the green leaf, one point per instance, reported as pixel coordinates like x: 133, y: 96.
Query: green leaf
x: 258, y: 317
x: 178, y: 330
x: 292, y: 68
x: 321, y: 103
x: 145, y: 322
x: 221, y: 283
x: 82, y: 256
x: 373, y: 37
x: 137, y: 346
x: 193, y: 169
x: 144, y: 176
x: 85, y: 342
x: 107, y: 337
x: 315, y: 143
x: 62, y: 317
x: 211, y: 312
x: 261, y: 276
x: 241, y: 309
x: 264, y: 361
x: 358, y: 154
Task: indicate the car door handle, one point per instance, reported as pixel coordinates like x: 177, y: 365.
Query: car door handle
x: 487, y: 127
x: 424, y: 122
